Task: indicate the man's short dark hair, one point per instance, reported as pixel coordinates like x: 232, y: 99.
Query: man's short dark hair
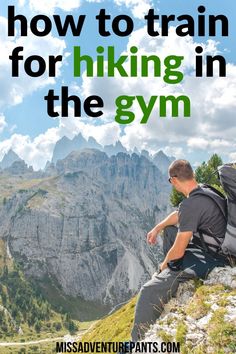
x: 182, y: 170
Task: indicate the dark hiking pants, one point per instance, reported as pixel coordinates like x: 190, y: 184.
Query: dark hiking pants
x: 163, y: 286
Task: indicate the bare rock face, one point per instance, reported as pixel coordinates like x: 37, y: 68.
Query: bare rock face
x: 65, y: 146
x: 203, y: 320
x: 19, y: 168
x: 9, y: 159
x: 86, y: 226
x: 225, y: 276
x: 162, y: 161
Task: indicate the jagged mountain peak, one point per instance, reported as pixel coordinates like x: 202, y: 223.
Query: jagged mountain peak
x: 162, y: 161
x: 9, y: 158
x: 77, y: 154
x: 145, y: 153
x: 161, y: 155
x: 65, y: 146
x: 114, y: 149
x: 64, y: 139
x: 79, y: 139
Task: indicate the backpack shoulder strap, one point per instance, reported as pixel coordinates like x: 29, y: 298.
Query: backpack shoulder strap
x: 211, y: 192
x: 213, y: 189
x: 219, y: 200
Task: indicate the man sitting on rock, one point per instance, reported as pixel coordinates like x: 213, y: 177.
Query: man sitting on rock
x: 191, y: 250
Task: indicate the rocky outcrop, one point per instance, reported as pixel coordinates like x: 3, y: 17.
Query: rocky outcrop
x: 13, y: 165
x: 19, y: 168
x: 65, y: 146
x: 114, y: 149
x: 8, y: 159
x: 50, y: 169
x: 162, y: 161
x: 86, y: 225
x: 146, y: 154
x: 203, y: 320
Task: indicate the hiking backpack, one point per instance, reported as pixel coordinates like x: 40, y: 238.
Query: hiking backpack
x: 227, y: 176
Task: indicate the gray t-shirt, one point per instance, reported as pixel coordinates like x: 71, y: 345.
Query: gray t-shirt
x: 199, y: 212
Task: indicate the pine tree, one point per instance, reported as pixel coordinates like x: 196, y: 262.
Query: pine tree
x: 176, y: 197
x: 38, y: 326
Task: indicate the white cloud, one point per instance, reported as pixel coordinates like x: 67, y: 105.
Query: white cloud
x: 107, y: 133
x: 177, y: 152
x: 21, y: 2
x: 232, y: 157
x: 213, y: 100
x: 14, y: 89
x: 139, y: 8
x: 220, y: 146
x: 36, y: 152
x: 203, y: 143
x: 3, y: 123
x: 49, y: 7
x: 199, y: 143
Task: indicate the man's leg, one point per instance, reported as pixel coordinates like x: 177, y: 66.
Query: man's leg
x: 157, y: 291
x: 200, y: 263
x: 169, y: 236
x: 152, y: 298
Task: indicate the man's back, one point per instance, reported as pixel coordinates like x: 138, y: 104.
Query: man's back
x: 200, y: 213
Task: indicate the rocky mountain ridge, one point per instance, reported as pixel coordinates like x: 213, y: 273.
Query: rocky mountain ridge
x: 14, y: 165
x: 85, y: 226
x: 65, y: 146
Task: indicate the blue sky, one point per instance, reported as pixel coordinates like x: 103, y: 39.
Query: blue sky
x: 26, y: 127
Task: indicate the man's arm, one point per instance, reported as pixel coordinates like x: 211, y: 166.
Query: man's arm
x: 171, y: 219
x: 178, y: 249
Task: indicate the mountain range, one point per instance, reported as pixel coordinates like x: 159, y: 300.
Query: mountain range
x: 65, y: 146
x: 84, y: 226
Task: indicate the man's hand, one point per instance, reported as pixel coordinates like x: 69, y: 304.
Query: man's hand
x: 171, y: 219
x: 152, y: 235
x: 178, y: 249
x: 162, y: 266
